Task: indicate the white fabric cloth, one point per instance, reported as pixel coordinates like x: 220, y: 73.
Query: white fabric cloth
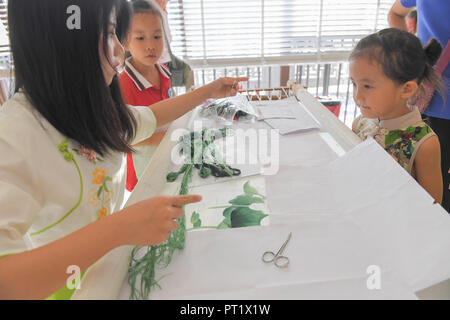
x: 38, y: 186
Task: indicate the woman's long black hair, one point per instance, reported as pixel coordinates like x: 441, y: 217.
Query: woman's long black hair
x: 60, y: 72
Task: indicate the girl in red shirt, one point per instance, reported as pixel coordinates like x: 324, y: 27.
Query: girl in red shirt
x: 144, y: 80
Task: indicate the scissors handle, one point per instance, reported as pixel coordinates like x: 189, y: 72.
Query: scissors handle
x: 281, y: 261
x: 268, y: 256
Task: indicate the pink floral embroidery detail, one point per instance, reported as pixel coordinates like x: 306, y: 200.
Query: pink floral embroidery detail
x: 88, y: 154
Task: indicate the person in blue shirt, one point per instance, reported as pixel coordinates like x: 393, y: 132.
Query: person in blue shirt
x: 432, y: 22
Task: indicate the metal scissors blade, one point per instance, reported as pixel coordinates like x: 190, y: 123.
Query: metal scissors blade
x: 279, y: 260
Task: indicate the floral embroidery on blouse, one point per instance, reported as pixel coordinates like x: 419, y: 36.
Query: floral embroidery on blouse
x: 99, y: 175
x: 103, y: 212
x: 63, y: 147
x: 88, y: 154
x: 100, y: 194
x: 400, y: 143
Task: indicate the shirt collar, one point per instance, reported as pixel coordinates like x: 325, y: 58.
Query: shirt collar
x: 139, y: 80
x: 404, y: 121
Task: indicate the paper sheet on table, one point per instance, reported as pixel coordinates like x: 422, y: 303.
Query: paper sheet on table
x: 215, y: 200
x: 368, y: 187
x: 323, y: 255
x: 304, y: 120
x: 275, y: 112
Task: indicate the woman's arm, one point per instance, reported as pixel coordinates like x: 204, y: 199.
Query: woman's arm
x: 397, y: 15
x: 154, y: 140
x: 38, y: 273
x: 168, y: 110
x: 428, y: 167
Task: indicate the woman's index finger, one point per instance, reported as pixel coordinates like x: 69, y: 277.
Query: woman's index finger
x: 179, y: 201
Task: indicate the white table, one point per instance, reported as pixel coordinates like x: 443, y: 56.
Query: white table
x: 298, y: 153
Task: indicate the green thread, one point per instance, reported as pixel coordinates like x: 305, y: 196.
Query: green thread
x: 68, y: 156
x: 200, y: 154
x: 158, y: 256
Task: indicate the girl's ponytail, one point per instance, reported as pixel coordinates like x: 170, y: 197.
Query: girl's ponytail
x: 433, y: 50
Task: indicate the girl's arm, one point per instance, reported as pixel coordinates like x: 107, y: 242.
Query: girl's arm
x: 168, y: 110
x: 428, y: 167
x: 38, y: 273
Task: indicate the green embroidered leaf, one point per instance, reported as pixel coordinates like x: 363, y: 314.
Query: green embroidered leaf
x: 172, y: 176
x: 195, y: 219
x: 227, y: 212
x: 68, y: 156
x: 410, y: 129
x: 99, y: 192
x: 423, y: 132
x: 409, y: 150
x: 225, y: 224
x: 246, y: 217
x: 63, y: 146
x: 246, y: 200
x: 249, y: 190
x: 106, y: 179
x: 391, y: 137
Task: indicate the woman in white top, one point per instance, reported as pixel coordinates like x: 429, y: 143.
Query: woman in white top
x: 63, y: 136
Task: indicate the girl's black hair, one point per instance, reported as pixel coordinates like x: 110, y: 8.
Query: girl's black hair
x: 402, y: 56
x: 59, y: 70
x: 123, y: 20
x: 145, y: 6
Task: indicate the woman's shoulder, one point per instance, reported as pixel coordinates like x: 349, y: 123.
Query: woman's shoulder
x: 17, y: 116
x: 23, y: 127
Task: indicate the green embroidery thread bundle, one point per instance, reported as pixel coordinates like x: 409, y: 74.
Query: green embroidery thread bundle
x: 158, y: 256
x: 202, y: 156
x: 199, y: 148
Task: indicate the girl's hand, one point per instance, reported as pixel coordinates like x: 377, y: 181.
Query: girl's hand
x: 224, y: 87
x: 151, y: 221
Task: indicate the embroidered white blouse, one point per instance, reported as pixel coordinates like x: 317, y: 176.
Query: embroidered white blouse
x: 51, y: 186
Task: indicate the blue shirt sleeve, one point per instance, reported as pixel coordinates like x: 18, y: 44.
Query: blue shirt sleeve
x: 409, y: 3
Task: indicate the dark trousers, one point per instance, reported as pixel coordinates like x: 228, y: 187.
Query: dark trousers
x: 442, y: 129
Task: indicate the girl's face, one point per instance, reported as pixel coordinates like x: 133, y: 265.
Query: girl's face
x: 145, y: 40
x: 376, y: 95
x: 115, y: 52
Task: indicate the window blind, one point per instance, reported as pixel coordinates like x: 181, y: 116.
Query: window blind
x: 255, y: 32
x: 4, y: 40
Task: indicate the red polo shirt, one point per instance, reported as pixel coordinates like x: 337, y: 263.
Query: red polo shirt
x: 138, y: 91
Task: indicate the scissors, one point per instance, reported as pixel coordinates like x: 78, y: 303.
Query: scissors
x: 279, y: 260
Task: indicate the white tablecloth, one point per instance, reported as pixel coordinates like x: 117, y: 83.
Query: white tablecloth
x: 348, y: 209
